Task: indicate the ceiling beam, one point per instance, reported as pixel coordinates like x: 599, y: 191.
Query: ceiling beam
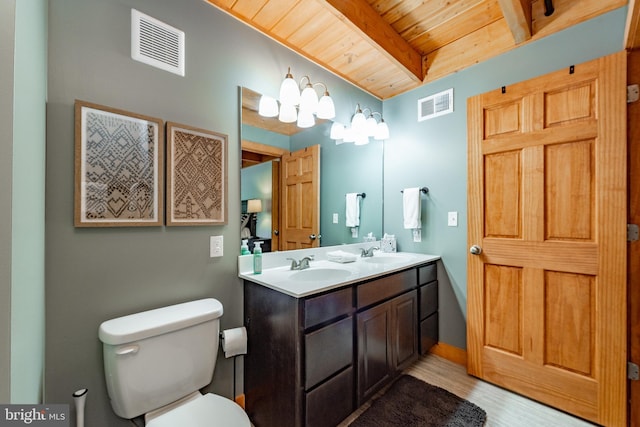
x: 517, y: 13
x: 362, y: 17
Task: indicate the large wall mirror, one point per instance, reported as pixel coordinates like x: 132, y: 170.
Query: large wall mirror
x: 271, y: 203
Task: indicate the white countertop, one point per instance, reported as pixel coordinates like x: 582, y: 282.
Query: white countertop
x: 323, y: 275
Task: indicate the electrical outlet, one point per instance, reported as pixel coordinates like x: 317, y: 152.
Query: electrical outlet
x: 215, y: 246
x: 452, y: 219
x: 417, y: 235
x: 335, y: 218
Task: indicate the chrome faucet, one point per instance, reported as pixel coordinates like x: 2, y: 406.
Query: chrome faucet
x: 367, y: 253
x: 303, y: 264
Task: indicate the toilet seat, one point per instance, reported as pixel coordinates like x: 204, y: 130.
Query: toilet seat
x: 208, y: 410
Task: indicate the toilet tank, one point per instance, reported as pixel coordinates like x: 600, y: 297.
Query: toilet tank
x: 158, y: 356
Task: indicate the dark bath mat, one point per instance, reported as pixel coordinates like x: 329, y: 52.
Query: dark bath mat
x: 410, y: 402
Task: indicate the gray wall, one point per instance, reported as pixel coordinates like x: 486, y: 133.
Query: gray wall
x: 96, y: 274
x: 7, y: 39
x: 433, y: 153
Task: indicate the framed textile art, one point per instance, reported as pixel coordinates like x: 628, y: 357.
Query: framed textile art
x: 196, y: 176
x: 119, y: 167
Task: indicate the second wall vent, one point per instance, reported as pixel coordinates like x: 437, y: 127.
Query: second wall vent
x: 435, y: 105
x: 156, y: 43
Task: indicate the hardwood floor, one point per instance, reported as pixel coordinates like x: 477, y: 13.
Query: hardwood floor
x: 503, y: 408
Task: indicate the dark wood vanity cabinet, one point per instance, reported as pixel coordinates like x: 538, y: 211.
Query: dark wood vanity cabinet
x: 311, y: 361
x: 428, y: 307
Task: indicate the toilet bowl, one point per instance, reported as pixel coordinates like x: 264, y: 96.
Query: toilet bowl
x: 156, y: 362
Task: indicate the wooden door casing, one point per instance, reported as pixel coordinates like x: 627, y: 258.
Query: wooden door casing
x: 546, y: 298
x: 633, y: 120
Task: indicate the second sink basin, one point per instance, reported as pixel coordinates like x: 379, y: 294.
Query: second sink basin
x: 320, y: 274
x: 387, y: 258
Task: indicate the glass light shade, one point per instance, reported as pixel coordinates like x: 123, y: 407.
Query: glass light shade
x: 305, y: 119
x: 289, y: 91
x: 382, y: 131
x: 358, y: 122
x: 254, y: 205
x: 371, y: 125
x: 337, y: 131
x: 326, y: 109
x: 309, y: 100
x: 268, y: 106
x: 349, y: 135
x: 288, y: 113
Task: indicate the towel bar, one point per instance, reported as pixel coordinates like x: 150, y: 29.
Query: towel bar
x: 423, y: 190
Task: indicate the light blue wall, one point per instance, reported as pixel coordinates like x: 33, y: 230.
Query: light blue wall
x: 257, y: 184
x: 28, y: 207
x: 433, y: 153
x: 7, y: 45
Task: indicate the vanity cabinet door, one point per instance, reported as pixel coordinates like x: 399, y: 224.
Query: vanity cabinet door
x: 374, y: 350
x: 404, y: 332
x: 387, y: 342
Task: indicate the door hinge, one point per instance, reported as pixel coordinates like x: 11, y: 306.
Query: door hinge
x: 633, y: 371
x: 632, y: 232
x: 633, y: 93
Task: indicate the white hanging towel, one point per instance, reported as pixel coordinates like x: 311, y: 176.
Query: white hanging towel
x: 411, y: 208
x: 352, y: 214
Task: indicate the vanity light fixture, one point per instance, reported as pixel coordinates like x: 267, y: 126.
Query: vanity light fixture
x: 298, y: 107
x: 361, y: 128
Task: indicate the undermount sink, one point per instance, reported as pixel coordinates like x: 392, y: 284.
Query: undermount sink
x: 387, y: 259
x: 316, y: 274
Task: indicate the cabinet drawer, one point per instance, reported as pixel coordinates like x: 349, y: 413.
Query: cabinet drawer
x: 387, y: 287
x: 328, y: 306
x: 428, y: 333
x: 327, y: 351
x: 428, y: 299
x: 427, y: 274
x: 331, y: 402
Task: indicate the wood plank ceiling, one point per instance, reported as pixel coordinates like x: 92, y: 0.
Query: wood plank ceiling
x: 388, y: 47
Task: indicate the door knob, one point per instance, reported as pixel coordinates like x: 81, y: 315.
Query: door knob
x: 475, y: 250
x: 312, y: 236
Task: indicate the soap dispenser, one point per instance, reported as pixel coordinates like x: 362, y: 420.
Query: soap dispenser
x: 257, y: 258
x: 244, y: 248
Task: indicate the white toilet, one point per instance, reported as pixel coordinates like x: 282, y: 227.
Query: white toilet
x: 156, y: 362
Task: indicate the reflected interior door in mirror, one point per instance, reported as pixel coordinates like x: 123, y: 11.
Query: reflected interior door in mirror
x: 301, y: 185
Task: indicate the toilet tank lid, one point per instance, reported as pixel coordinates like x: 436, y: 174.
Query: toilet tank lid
x: 138, y: 326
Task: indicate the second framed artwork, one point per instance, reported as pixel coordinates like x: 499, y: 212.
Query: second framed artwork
x: 196, y: 176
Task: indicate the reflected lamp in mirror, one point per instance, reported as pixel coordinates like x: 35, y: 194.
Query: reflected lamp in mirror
x: 254, y: 205
x: 361, y: 128
x: 307, y: 103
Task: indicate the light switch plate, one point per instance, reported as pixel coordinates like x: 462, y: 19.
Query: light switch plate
x: 216, y: 246
x: 417, y: 235
x: 452, y: 219
x: 335, y: 218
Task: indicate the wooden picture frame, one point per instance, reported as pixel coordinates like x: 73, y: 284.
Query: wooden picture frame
x: 197, y: 162
x: 119, y: 169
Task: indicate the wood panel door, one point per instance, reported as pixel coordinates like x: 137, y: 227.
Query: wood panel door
x: 299, y: 216
x: 546, y: 296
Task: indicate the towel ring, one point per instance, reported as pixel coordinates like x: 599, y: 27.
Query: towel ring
x: 423, y: 190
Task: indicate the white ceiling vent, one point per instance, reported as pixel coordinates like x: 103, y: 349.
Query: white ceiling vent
x: 435, y: 105
x: 156, y: 43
